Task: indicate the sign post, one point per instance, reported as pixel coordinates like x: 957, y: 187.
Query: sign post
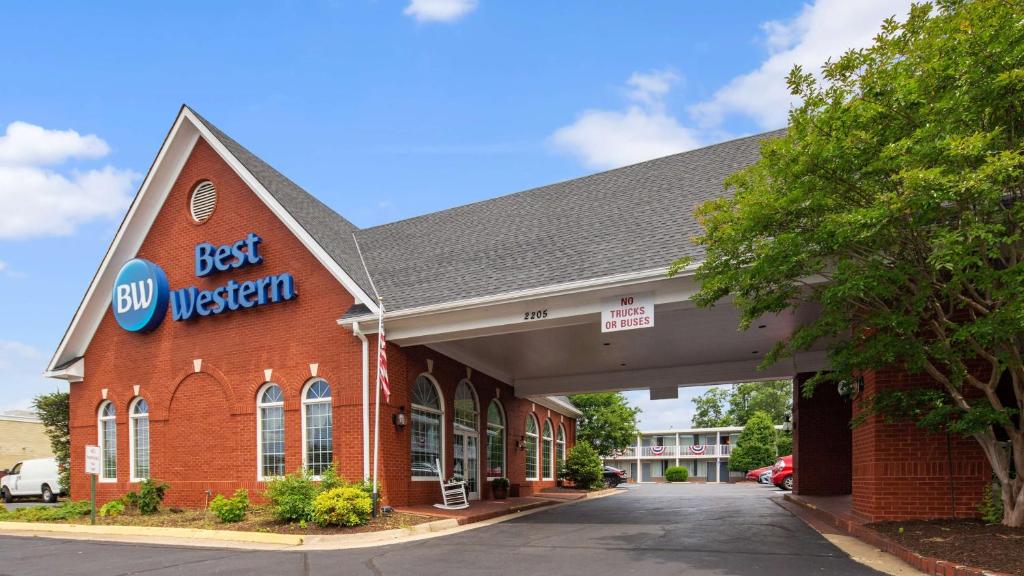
x: 92, y: 468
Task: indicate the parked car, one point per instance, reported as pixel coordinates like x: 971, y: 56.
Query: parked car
x: 782, y: 473
x: 614, y: 476
x: 32, y: 478
x: 755, y: 474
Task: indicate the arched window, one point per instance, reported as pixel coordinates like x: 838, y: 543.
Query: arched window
x: 560, y: 446
x: 138, y: 435
x: 466, y: 416
x: 317, y: 427
x: 270, y: 431
x: 495, y: 440
x: 107, y: 424
x: 549, y: 451
x: 427, y: 428
x: 531, y: 447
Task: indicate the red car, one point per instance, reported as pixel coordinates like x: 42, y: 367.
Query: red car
x: 755, y: 474
x: 782, y: 472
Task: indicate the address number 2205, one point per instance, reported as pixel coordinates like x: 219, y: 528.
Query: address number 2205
x: 535, y: 315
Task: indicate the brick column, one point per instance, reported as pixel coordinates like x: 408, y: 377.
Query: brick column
x: 822, y: 441
x: 903, y: 472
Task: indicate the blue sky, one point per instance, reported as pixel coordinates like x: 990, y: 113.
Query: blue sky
x: 383, y: 109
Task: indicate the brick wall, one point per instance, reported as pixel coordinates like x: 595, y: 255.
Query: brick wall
x: 903, y: 472
x: 203, y: 423
x: 822, y: 441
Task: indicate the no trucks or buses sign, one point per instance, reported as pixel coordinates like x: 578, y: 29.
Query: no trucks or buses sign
x: 628, y: 312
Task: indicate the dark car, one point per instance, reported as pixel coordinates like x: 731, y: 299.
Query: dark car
x: 614, y: 476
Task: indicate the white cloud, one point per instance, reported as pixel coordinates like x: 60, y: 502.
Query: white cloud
x: 41, y: 201
x: 666, y: 414
x: 439, y: 10
x: 822, y: 30
x: 644, y: 130
x: 21, y: 375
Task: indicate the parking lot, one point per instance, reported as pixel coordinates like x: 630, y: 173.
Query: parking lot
x: 649, y: 529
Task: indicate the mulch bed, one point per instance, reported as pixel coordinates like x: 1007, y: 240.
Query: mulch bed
x: 258, y: 519
x: 968, y: 542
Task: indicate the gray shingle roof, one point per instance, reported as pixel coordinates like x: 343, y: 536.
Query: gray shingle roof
x: 327, y: 227
x: 630, y: 219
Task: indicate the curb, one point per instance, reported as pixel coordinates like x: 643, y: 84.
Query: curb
x: 155, y: 532
x: 925, y: 564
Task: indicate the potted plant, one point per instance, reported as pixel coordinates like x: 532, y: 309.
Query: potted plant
x: 499, y: 488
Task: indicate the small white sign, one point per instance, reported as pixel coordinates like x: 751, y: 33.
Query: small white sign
x: 628, y: 312
x: 92, y: 460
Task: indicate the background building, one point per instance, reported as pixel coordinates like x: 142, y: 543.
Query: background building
x: 22, y: 437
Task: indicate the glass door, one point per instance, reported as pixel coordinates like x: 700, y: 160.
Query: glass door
x: 467, y: 463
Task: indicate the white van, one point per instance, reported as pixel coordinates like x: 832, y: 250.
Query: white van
x: 32, y: 478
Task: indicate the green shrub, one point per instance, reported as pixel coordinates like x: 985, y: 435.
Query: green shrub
x: 583, y: 466
x: 64, y: 511
x: 991, y: 506
x: 499, y: 483
x: 230, y: 509
x: 330, y: 480
x: 291, y: 496
x: 344, y: 506
x: 112, y: 508
x: 677, y: 474
x: 151, y: 496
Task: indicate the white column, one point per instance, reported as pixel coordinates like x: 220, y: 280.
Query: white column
x: 718, y: 456
x: 639, y: 468
x: 678, y: 447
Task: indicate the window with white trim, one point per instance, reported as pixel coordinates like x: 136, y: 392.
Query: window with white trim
x: 427, y: 428
x: 560, y: 446
x: 138, y: 433
x: 466, y: 416
x: 107, y: 424
x: 549, y: 451
x: 495, y: 440
x: 270, y: 431
x: 531, y: 447
x: 317, y: 427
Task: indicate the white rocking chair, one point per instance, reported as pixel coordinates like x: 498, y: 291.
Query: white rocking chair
x: 453, y: 493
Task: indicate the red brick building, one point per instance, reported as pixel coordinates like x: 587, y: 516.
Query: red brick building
x: 265, y: 361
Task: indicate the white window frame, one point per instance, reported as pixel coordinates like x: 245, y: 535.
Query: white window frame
x: 132, y: 431
x: 548, y: 447
x: 304, y: 402
x: 504, y: 439
x: 100, y: 420
x: 260, y: 405
x: 526, y: 434
x: 444, y: 438
x: 561, y: 439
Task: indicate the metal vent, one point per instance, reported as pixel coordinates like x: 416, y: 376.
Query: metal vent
x: 204, y: 200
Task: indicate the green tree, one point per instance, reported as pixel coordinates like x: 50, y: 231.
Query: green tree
x: 54, y: 410
x: 712, y: 409
x: 774, y: 397
x: 756, y: 446
x: 893, y: 203
x: 607, y: 423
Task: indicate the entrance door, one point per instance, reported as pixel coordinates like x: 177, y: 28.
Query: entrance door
x: 467, y: 463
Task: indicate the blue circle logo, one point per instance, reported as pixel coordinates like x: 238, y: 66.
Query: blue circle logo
x: 140, y: 296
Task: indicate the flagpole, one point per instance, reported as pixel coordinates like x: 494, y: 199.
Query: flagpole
x: 376, y: 407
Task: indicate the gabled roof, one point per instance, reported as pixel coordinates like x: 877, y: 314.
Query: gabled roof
x: 631, y: 219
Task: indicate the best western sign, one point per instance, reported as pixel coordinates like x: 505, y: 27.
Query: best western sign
x: 141, y: 292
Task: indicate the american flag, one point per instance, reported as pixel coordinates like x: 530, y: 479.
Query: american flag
x: 382, y: 357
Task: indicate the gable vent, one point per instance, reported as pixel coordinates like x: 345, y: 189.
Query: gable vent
x: 203, y: 202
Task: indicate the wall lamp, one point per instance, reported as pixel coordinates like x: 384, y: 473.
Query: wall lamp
x: 787, y: 422
x: 521, y: 443
x: 399, y: 419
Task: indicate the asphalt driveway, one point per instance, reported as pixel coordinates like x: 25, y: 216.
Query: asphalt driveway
x: 688, y: 529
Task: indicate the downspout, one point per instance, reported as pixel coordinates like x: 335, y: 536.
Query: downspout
x: 366, y: 400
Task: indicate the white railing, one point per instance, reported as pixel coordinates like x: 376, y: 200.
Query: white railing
x: 672, y: 451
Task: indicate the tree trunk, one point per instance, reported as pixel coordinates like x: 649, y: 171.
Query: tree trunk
x: 1013, y: 508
